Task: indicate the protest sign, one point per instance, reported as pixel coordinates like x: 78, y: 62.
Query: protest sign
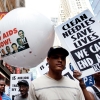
x: 82, y: 39
x: 88, y: 80
x: 14, y: 90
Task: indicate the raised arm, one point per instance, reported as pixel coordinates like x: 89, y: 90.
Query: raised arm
x: 87, y: 95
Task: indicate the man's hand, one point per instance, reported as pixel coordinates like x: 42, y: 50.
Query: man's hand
x: 77, y: 74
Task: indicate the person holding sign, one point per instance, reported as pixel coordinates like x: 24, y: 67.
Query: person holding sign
x: 3, y: 96
x: 53, y: 85
x: 23, y: 88
x: 93, y: 91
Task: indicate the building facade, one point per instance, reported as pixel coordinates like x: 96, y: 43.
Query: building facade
x: 95, y: 4
x: 70, y: 8
x: 8, y: 5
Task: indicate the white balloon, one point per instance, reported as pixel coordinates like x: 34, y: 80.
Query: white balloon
x: 39, y: 33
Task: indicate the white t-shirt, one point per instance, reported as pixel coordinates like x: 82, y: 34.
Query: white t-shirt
x: 46, y: 88
x: 90, y: 89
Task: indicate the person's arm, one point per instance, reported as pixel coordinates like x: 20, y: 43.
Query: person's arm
x: 87, y: 94
x: 31, y: 95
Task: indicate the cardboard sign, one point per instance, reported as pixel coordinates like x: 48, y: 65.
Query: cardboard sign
x: 81, y: 35
x: 14, y: 89
x: 88, y: 80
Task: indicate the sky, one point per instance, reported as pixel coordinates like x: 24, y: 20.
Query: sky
x: 49, y: 8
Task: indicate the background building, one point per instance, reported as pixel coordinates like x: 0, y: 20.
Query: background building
x: 8, y: 5
x: 95, y: 4
x: 54, y: 20
x: 70, y: 8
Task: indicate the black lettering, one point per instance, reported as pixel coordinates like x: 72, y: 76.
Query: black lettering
x: 42, y: 67
x: 87, y: 22
x: 14, y: 78
x: 65, y: 27
x: 65, y: 34
x: 89, y: 30
x: 92, y: 37
x: 77, y: 20
x: 75, y: 45
x: 74, y: 39
x: 78, y: 27
x: 83, y: 17
x: 82, y: 24
x: 79, y: 35
x: 13, y: 89
x: 96, y: 36
x: 84, y: 32
x: 91, y: 20
x: 72, y: 23
x: 84, y: 40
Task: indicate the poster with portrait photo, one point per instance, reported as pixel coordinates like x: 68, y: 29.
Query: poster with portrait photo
x: 20, y: 43
x: 81, y: 34
x: 14, y: 78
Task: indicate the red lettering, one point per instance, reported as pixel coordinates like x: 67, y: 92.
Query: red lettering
x: 1, y: 44
x: 15, y: 30
x: 5, y: 42
x: 4, y: 35
x: 7, y: 34
x: 10, y: 32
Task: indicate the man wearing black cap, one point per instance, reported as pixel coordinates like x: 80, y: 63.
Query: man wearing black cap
x: 54, y: 86
x: 23, y: 88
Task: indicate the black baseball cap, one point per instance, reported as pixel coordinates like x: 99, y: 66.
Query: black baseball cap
x: 57, y: 50
x: 24, y: 82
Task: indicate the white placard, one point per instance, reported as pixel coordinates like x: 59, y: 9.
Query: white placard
x: 14, y: 90
x: 81, y: 35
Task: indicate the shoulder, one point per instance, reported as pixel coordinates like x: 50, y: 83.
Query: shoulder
x: 38, y: 80
x: 18, y: 97
x: 90, y: 89
x: 5, y: 97
x: 68, y: 80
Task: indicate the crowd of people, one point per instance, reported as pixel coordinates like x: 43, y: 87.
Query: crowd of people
x: 53, y: 85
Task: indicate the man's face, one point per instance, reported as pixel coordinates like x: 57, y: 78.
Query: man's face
x: 20, y: 42
x: 97, y: 76
x: 3, y: 51
x: 8, y: 49
x: 21, y: 34
x: 14, y: 47
x: 2, y: 86
x: 57, y: 62
x: 23, y: 89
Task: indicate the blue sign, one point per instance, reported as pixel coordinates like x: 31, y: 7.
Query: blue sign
x: 71, y: 67
x: 89, y: 80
